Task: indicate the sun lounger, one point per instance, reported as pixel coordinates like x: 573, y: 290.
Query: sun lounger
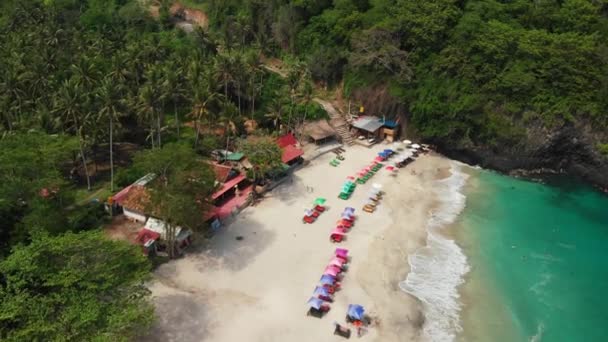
x: 342, y: 331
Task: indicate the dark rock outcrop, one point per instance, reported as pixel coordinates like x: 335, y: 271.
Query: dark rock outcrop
x: 569, y: 149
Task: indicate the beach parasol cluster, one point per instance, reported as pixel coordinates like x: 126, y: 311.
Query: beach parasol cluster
x: 329, y: 283
x: 347, y: 189
x: 346, y: 222
x: 373, y: 198
x: 311, y: 215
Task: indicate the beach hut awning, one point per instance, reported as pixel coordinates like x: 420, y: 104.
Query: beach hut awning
x: 290, y: 153
x: 236, y: 156
x: 368, y: 123
x: 356, y: 311
x: 315, y: 303
x: 319, y: 130
x: 227, y: 186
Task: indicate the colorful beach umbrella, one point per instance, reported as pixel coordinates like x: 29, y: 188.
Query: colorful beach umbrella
x: 320, y: 291
x: 341, y: 252
x: 337, y: 262
x: 320, y: 201
x: 332, y: 271
x: 315, y: 303
x: 327, y: 279
x: 355, y: 311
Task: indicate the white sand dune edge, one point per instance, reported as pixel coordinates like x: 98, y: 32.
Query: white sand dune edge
x: 256, y: 289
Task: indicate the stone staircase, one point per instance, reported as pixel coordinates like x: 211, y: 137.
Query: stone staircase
x: 338, y: 122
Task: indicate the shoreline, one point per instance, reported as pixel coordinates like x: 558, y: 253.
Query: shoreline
x: 256, y: 289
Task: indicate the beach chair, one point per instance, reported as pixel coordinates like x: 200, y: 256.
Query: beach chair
x: 342, y: 331
x: 308, y: 219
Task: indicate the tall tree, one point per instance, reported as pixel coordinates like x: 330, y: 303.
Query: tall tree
x: 108, y: 95
x: 177, y: 195
x: 72, y: 104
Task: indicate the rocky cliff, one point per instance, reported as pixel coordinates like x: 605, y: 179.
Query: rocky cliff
x: 569, y: 149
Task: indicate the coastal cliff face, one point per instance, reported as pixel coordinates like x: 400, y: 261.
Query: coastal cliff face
x: 569, y: 149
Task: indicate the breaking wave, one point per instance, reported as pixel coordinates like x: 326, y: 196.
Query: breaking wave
x: 438, y: 268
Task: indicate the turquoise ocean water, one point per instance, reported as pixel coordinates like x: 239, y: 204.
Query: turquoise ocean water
x: 538, y: 261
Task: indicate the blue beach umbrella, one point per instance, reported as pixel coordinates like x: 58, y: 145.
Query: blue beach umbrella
x: 355, y: 311
x: 326, y: 279
x: 315, y: 303
x: 320, y: 291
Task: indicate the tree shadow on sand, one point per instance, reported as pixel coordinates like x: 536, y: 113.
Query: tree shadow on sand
x: 180, y: 318
x: 235, y: 245
x: 292, y: 190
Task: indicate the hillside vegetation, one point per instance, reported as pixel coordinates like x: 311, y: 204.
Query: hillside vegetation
x: 476, y: 70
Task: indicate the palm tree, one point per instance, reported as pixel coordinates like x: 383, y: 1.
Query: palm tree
x: 202, y: 95
x: 109, y: 99
x: 223, y: 66
x: 145, y: 107
x: 275, y: 110
x: 173, y: 88
x: 253, y: 66
x: 306, y: 95
x: 71, y: 104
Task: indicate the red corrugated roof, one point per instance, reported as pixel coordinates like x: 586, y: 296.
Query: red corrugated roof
x: 120, y: 196
x: 227, y: 186
x: 145, y: 235
x: 290, y: 153
x: 286, y: 140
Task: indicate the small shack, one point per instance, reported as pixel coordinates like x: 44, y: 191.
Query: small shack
x: 368, y: 128
x: 153, y: 236
x: 291, y: 154
x: 319, y: 131
x: 232, y: 190
x: 390, y: 130
x: 134, y: 203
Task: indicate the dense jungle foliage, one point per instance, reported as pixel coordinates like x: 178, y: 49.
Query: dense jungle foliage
x: 86, y: 85
x: 476, y: 70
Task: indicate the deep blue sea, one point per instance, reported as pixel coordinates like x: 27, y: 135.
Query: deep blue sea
x: 538, y: 260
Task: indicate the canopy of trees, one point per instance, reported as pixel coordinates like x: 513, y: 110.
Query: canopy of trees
x: 74, y: 287
x: 475, y: 70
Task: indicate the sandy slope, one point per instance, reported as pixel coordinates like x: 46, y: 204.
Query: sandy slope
x: 256, y: 289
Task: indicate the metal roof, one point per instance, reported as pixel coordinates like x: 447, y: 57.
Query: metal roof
x: 368, y: 123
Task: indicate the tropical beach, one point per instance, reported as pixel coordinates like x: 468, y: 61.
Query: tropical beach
x: 256, y: 289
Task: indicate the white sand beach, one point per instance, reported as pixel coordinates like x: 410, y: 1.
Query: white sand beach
x: 256, y: 289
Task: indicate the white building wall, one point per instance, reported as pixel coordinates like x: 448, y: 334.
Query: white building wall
x: 134, y: 216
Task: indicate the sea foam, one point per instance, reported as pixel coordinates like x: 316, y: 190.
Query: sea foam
x: 438, y: 268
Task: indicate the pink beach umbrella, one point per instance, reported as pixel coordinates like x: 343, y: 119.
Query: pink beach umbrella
x: 337, y: 262
x: 352, y: 178
x: 390, y: 168
x: 378, y: 159
x: 332, y: 271
x: 341, y: 252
